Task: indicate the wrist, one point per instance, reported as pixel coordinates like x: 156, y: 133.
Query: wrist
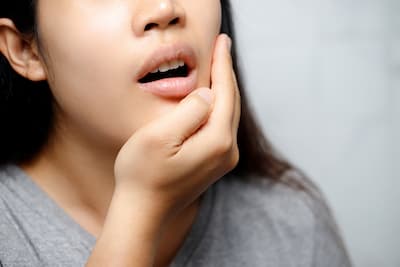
x: 130, y: 234
x: 136, y: 209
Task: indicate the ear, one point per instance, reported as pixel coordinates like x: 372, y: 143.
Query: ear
x: 22, y: 54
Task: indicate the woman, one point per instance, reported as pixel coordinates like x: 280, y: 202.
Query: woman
x: 120, y: 120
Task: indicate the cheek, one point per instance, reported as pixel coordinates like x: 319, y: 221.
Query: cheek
x: 206, y: 27
x: 88, y: 76
x: 87, y: 81
x: 82, y: 43
x: 83, y: 48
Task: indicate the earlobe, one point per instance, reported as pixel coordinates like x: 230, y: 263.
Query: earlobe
x: 21, y: 54
x: 36, y: 71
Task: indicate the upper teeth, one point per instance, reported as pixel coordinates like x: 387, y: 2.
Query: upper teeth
x: 169, y: 66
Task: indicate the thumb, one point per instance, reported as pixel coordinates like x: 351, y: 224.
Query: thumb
x: 187, y: 117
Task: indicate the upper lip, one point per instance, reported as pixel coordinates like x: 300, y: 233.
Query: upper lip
x: 167, y: 53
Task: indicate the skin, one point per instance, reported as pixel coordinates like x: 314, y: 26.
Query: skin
x: 115, y: 144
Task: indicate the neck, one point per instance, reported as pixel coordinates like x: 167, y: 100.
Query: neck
x: 79, y: 177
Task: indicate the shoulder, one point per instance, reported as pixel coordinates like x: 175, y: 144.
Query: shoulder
x: 293, y: 217
x: 34, y: 231
x: 280, y: 200
x: 271, y: 202
x: 13, y: 249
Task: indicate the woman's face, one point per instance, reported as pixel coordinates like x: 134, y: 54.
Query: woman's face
x: 97, y: 51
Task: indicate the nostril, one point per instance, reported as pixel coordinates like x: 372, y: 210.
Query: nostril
x: 150, y: 26
x: 174, y: 21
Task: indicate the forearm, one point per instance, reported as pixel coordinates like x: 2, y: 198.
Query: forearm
x: 130, y: 233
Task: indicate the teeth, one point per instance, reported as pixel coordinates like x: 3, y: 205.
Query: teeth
x: 164, y: 67
x: 174, y: 64
x: 169, y: 66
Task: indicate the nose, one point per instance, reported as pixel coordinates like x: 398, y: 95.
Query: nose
x: 157, y: 14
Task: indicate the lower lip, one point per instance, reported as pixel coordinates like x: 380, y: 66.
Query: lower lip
x: 172, y: 87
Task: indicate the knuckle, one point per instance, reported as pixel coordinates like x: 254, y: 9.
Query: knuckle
x: 235, y: 156
x: 224, y: 145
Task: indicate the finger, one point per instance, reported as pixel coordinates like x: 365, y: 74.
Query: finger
x: 175, y: 127
x: 218, y: 130
x: 237, y: 112
x: 219, y: 125
x: 222, y: 83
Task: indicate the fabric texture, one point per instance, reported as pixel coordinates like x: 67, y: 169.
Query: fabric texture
x: 252, y: 222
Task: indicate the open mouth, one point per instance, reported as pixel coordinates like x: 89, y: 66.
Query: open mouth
x: 170, y: 71
x: 176, y: 69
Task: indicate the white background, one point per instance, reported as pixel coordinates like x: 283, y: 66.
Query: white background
x: 324, y: 79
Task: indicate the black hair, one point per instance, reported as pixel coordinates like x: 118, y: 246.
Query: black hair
x: 26, y: 114
x: 25, y: 106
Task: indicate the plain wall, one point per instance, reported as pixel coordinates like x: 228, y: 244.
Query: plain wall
x: 324, y: 80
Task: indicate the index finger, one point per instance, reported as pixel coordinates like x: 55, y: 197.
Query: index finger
x: 222, y: 83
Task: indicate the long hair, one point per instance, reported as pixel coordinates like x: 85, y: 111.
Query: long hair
x: 26, y: 114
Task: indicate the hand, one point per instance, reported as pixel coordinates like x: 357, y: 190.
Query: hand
x: 169, y: 162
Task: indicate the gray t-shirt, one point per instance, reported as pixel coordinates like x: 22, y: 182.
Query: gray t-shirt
x: 252, y: 222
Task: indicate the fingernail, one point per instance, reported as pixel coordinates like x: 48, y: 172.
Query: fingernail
x: 206, y: 95
x: 229, y: 43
